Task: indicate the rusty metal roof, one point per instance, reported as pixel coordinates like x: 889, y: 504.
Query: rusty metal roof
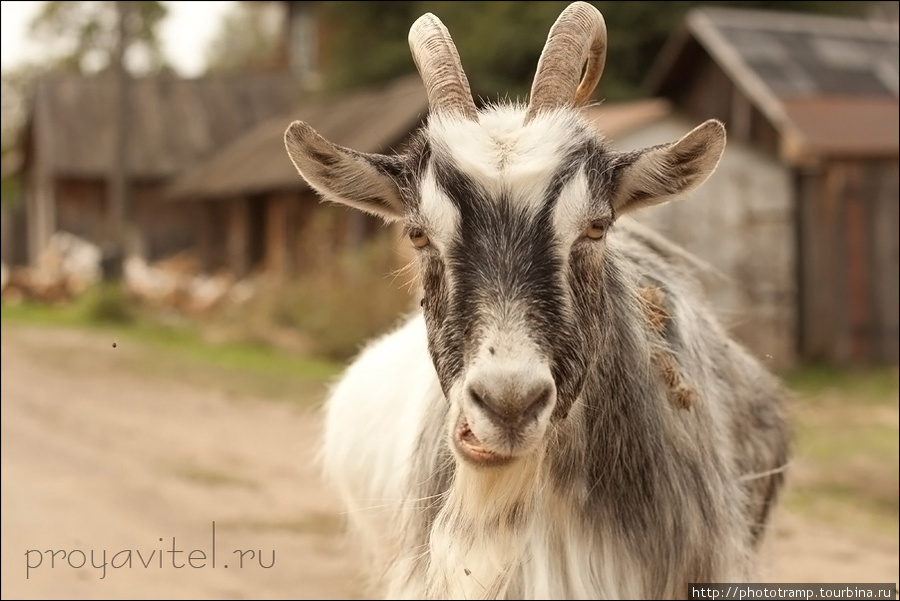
x: 372, y: 120
x: 846, y: 125
x: 829, y: 83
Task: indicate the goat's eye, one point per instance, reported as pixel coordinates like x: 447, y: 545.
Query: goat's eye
x: 418, y: 237
x: 595, y: 230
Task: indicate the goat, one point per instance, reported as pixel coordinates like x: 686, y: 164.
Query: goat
x: 565, y: 418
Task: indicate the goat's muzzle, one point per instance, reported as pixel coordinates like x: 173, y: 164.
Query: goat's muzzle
x: 505, y: 409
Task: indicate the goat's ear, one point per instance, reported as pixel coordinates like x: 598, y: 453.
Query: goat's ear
x: 657, y: 174
x: 363, y: 181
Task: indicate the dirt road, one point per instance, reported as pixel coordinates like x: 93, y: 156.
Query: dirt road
x: 99, y: 456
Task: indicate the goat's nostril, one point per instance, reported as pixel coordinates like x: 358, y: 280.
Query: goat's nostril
x: 541, y: 399
x: 477, y: 400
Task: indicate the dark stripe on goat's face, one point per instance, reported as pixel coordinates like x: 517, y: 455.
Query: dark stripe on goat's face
x: 504, y: 266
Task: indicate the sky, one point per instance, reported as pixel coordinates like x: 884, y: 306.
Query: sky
x: 185, y: 33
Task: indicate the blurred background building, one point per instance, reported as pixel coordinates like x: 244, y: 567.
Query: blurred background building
x: 802, y: 214
x: 106, y: 141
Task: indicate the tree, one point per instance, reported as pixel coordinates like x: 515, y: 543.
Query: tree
x: 249, y: 38
x: 500, y: 42
x: 82, y: 36
x: 119, y: 38
x: 15, y: 87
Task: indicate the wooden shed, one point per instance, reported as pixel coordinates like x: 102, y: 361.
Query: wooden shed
x: 740, y: 223
x: 174, y: 124
x: 259, y: 214
x: 802, y: 216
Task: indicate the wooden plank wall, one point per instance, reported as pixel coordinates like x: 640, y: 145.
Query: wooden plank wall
x: 848, y: 246
x: 212, y: 242
x: 13, y: 233
x: 238, y: 237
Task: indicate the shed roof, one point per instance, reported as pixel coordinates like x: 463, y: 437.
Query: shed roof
x: 371, y: 120
x: 175, y: 122
x: 829, y: 85
x: 615, y: 119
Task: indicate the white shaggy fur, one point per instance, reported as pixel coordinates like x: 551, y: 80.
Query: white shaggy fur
x: 371, y: 425
x: 500, y: 153
x: 441, y: 217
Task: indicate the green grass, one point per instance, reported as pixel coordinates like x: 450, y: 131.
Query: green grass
x: 846, y: 450
x: 864, y: 384
x: 34, y: 313
x: 181, y: 353
x: 206, y: 476
x: 314, y: 522
x: 838, y: 440
x: 185, y: 340
x: 841, y: 509
x: 846, y: 470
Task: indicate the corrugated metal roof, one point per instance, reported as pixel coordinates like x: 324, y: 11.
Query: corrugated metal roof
x: 812, y: 62
x: 174, y: 122
x: 821, y: 81
x: 369, y: 121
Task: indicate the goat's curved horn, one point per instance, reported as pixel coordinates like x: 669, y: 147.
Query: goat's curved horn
x: 438, y: 63
x: 578, y: 35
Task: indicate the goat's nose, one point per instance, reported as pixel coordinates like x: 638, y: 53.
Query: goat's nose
x: 511, y: 398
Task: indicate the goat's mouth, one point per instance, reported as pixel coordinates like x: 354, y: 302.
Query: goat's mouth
x: 473, y: 450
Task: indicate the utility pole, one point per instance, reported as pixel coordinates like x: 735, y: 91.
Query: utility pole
x: 118, y: 182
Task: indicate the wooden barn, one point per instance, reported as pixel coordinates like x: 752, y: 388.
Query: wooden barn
x: 259, y: 214
x: 174, y: 123
x: 800, y: 222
